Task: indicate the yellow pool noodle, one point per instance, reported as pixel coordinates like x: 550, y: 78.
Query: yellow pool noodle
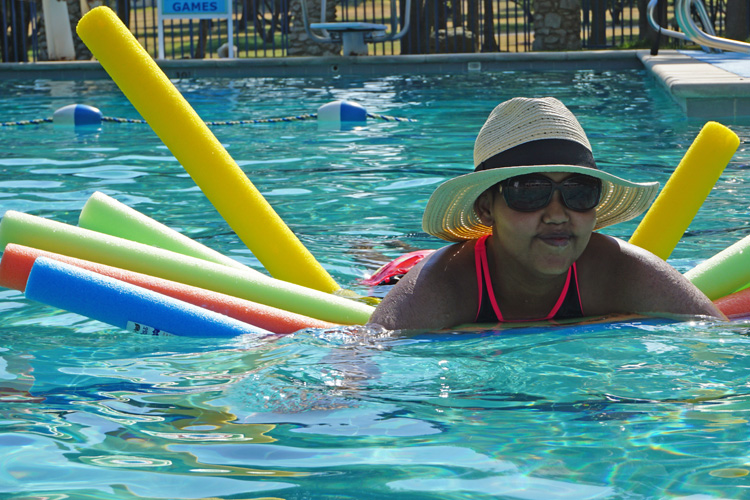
x: 73, y: 241
x: 725, y: 272
x: 686, y: 190
x: 188, y: 138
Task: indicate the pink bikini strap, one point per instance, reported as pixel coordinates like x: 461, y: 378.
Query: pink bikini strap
x: 561, y: 299
x: 478, y: 250
x: 483, y: 271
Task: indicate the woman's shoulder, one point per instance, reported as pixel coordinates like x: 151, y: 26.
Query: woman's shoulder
x: 618, y: 277
x: 449, y: 270
x: 618, y: 257
x: 434, y: 294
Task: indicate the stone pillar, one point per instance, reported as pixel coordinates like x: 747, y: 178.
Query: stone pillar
x: 300, y: 43
x: 557, y: 25
x: 74, y: 13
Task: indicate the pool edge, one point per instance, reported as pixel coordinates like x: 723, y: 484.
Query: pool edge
x: 341, y: 66
x: 699, y: 88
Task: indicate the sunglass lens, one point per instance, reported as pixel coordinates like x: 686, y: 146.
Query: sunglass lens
x: 527, y: 194
x: 581, y: 193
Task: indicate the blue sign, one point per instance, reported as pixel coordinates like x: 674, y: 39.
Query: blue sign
x: 189, y: 8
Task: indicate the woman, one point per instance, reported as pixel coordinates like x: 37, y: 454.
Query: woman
x: 523, y: 225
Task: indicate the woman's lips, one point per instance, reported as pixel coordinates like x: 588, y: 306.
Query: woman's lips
x: 556, y: 239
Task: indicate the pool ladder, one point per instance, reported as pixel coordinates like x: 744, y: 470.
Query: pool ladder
x: 354, y: 36
x: 690, y: 30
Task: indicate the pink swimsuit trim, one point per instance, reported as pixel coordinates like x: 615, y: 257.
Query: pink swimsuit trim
x: 483, y: 276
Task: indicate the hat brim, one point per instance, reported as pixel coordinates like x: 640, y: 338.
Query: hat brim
x: 450, y: 211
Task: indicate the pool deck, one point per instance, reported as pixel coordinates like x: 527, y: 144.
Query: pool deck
x: 704, y: 87
x: 709, y: 86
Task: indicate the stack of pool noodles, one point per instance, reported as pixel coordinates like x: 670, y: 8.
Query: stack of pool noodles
x: 90, y: 268
x: 139, y: 244
x: 18, y: 261
x: 126, y: 306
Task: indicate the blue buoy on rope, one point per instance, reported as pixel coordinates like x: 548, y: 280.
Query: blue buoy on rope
x: 342, y: 112
x: 77, y: 115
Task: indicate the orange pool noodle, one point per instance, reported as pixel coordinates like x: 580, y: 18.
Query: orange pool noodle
x: 17, y: 261
x: 735, y: 304
x: 201, y: 154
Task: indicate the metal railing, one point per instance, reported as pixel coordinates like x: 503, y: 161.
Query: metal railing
x: 18, y: 38
x: 708, y: 37
x: 267, y: 28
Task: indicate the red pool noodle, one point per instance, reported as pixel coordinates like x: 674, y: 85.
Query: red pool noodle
x: 735, y: 304
x: 17, y: 261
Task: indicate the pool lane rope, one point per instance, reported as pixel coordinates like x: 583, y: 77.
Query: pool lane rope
x: 201, y: 154
x: 215, y: 123
x: 687, y: 188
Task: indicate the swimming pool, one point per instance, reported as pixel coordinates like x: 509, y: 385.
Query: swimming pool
x: 631, y: 410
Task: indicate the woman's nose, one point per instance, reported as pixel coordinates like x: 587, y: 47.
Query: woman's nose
x: 556, y: 212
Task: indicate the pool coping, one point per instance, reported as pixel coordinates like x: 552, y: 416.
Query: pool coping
x: 699, y: 88
x: 341, y: 65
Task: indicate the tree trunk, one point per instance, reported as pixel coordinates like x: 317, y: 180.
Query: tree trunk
x: 74, y: 11
x: 489, y: 44
x: 417, y: 36
x: 200, y: 49
x: 123, y: 11
x: 738, y: 22
x: 598, y: 36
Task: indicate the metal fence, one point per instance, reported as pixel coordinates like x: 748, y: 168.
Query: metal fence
x: 18, y: 39
x: 265, y: 28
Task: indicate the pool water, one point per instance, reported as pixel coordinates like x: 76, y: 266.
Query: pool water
x: 643, y: 409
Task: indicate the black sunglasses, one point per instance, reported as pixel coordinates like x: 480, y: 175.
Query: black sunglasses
x: 528, y: 193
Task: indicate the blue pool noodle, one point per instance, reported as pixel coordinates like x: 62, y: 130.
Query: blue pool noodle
x: 124, y: 305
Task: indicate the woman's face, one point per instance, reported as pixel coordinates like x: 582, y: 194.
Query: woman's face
x: 544, y: 242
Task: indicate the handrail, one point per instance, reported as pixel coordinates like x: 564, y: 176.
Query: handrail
x: 309, y: 32
x: 677, y: 34
x: 686, y: 24
x: 691, y: 31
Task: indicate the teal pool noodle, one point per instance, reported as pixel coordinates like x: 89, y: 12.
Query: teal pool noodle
x: 124, y: 305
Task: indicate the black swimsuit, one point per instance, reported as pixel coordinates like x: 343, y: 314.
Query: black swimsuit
x: 567, y: 306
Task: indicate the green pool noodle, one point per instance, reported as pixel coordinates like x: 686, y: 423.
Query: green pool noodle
x: 200, y: 153
x: 725, y: 272
x: 53, y: 236
x: 687, y: 188
x: 105, y: 214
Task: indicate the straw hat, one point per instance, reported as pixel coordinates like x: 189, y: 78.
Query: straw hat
x: 524, y: 136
